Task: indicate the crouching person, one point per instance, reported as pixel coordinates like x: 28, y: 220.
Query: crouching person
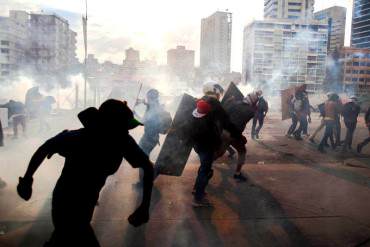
x: 91, y: 153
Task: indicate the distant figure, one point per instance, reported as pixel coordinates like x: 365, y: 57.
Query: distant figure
x: 156, y: 121
x: 1, y: 134
x: 331, y: 110
x: 208, y: 122
x: 337, y: 126
x: 367, y: 140
x: 302, y: 111
x: 91, y: 153
x: 240, y: 113
x: 293, y: 116
x: 261, y: 112
x: 16, y: 112
x: 350, y: 113
x: 321, y: 108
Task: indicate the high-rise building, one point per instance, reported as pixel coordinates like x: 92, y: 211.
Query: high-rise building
x: 360, y: 37
x: 51, y: 42
x: 132, y: 55
x: 355, y: 70
x: 215, y: 43
x: 13, y: 42
x: 335, y: 17
x: 181, y: 62
x: 280, y: 53
x: 289, y: 9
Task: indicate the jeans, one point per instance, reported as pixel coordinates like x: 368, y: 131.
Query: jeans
x: 351, y: 126
x: 205, y: 172
x: 293, y: 126
x: 337, y: 131
x: 260, y: 117
x: 302, y: 125
x: 329, y: 126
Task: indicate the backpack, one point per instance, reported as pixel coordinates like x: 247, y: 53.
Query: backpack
x: 165, y: 121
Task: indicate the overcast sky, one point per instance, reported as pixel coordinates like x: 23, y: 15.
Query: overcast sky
x: 153, y: 27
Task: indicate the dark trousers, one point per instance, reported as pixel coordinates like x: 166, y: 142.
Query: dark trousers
x: 19, y: 120
x: 260, y: 117
x: 351, y: 127
x: 329, y: 127
x: 205, y: 172
x: 240, y: 148
x: 302, y: 125
x: 293, y: 126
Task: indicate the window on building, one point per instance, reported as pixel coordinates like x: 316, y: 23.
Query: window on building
x: 356, y: 63
x: 4, y: 42
x: 5, y: 66
x: 5, y: 73
x: 4, y: 50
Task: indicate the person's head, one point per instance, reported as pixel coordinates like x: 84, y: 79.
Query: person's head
x: 203, y: 108
x: 152, y: 95
x: 353, y: 99
x: 214, y: 89
x: 259, y: 93
x: 251, y: 99
x: 334, y: 97
x: 11, y: 101
x: 117, y: 116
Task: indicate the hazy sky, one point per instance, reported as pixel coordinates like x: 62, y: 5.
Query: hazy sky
x: 153, y: 27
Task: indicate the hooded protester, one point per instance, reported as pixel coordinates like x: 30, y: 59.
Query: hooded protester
x: 367, y: 140
x: 17, y: 113
x: 240, y: 113
x: 153, y: 123
x: 331, y: 109
x: 350, y: 113
x: 209, y: 121
x: 91, y: 153
x: 261, y: 112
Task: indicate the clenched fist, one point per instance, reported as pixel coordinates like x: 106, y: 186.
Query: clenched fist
x: 24, y: 188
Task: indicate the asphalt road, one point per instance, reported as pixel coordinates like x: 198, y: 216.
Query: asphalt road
x: 295, y: 196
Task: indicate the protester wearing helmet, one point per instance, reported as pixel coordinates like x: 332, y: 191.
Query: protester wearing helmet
x: 152, y: 124
x: 209, y: 120
x: 350, y: 113
x: 240, y: 113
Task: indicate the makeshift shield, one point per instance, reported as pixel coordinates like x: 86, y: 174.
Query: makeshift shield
x: 177, y: 146
x: 285, y: 98
x: 232, y: 93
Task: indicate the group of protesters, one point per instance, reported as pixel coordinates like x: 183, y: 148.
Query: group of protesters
x: 331, y: 112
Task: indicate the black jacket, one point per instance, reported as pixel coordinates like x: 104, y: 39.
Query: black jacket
x: 367, y: 116
x: 350, y: 112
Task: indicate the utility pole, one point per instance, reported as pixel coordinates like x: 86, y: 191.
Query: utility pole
x: 84, y: 23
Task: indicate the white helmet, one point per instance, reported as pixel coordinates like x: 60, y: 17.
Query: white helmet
x: 212, y: 87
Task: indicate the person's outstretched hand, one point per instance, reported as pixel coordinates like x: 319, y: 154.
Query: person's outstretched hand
x: 139, y: 217
x: 24, y: 188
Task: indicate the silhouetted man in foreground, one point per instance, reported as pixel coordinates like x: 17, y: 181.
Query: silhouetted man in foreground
x: 92, y: 154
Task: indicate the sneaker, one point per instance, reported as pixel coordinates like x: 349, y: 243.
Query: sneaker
x: 298, y: 138
x: 359, y: 148
x: 193, y: 192
x: 201, y: 203
x: 240, y: 177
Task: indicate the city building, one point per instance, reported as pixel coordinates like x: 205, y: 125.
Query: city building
x: 215, y: 43
x: 52, y: 43
x: 355, y: 64
x: 280, y: 53
x: 288, y: 9
x: 180, y: 62
x: 335, y: 17
x: 360, y: 36
x: 37, y: 42
x: 13, y: 42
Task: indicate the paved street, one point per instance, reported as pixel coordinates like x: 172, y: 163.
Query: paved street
x: 295, y: 196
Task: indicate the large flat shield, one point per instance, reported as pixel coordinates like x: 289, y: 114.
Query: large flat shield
x: 177, y: 146
x: 232, y: 93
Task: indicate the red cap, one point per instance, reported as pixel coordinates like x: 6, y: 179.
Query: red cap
x: 203, y: 107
